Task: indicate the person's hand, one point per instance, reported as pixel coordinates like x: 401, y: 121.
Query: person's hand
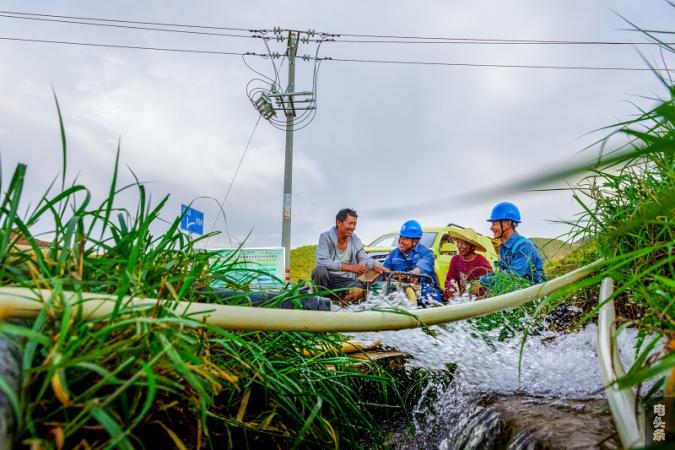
x: 380, y: 269
x: 475, y: 290
x: 358, y: 268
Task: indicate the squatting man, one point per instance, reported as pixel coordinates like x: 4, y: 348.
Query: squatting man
x: 340, y: 258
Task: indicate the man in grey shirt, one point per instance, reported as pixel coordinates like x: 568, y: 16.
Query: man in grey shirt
x: 340, y: 258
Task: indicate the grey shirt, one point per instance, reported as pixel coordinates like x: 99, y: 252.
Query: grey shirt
x: 327, y: 253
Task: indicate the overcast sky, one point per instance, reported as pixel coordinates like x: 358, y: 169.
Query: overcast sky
x: 384, y: 136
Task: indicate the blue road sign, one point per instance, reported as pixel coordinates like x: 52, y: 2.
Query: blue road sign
x: 192, y: 221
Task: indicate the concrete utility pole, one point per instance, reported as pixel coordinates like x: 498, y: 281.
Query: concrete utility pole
x: 298, y: 108
x: 288, y: 158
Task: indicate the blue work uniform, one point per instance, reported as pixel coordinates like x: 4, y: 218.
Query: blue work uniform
x: 519, y: 256
x: 419, y: 256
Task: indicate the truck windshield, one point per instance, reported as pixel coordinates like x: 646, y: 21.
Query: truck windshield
x: 388, y: 240
x: 428, y: 239
x: 391, y: 240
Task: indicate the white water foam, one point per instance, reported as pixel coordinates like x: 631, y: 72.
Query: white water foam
x: 562, y: 365
x: 555, y: 368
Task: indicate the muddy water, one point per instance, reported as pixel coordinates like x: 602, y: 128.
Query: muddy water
x: 551, y: 396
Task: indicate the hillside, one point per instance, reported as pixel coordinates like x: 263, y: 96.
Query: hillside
x: 554, y: 249
x: 302, y: 262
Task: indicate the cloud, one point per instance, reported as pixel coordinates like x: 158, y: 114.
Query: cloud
x: 383, y: 135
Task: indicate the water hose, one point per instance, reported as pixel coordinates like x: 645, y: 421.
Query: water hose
x: 410, y: 294
x: 27, y: 303
x: 622, y: 402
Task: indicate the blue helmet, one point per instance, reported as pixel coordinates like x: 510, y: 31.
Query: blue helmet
x: 505, y: 211
x: 411, y: 229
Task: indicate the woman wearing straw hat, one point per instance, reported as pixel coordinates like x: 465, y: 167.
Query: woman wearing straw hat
x: 467, y: 265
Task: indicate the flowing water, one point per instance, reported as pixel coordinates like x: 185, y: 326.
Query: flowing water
x: 557, y: 374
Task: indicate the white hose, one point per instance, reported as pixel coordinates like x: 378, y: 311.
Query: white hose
x: 26, y: 303
x: 622, y: 402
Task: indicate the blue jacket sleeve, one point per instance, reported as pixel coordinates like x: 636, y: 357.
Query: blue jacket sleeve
x: 426, y: 262
x: 487, y: 280
x: 387, y: 262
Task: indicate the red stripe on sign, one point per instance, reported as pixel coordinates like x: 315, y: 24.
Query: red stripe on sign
x: 288, y: 275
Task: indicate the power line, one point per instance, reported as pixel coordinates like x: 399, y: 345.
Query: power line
x: 265, y: 77
x: 132, y: 47
x: 241, y: 160
x: 133, y: 27
x: 234, y: 177
x: 274, y: 66
x: 257, y: 89
x: 165, y: 24
x: 353, y: 60
x: 389, y: 37
x: 501, y: 66
x: 366, y: 38
x: 470, y: 41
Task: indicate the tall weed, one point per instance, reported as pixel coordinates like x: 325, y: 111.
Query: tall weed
x: 148, y: 377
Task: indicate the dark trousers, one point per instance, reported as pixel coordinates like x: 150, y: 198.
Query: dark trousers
x: 326, y: 279
x: 260, y: 298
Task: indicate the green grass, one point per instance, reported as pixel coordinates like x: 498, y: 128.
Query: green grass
x: 147, y: 377
x: 628, y: 218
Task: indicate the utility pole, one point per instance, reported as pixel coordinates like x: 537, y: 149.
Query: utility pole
x: 288, y: 157
x: 269, y: 100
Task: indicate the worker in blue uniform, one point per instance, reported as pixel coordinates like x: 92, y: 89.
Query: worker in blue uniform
x: 414, y: 258
x: 517, y: 254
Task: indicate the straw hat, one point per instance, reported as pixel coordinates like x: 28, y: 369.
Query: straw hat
x: 469, y: 235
